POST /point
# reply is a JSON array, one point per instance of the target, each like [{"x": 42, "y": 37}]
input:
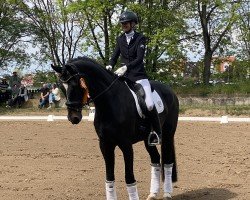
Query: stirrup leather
[{"x": 153, "y": 133}]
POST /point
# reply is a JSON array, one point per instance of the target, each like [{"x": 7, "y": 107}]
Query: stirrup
[{"x": 158, "y": 142}]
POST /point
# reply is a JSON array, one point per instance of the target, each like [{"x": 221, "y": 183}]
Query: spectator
[
  {"x": 5, "y": 92},
  {"x": 54, "y": 96},
  {"x": 14, "y": 95},
  {"x": 22, "y": 95},
  {"x": 4, "y": 83},
  {"x": 44, "y": 96},
  {"x": 15, "y": 80}
]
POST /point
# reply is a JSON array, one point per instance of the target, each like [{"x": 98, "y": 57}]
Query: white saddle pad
[{"x": 157, "y": 101}]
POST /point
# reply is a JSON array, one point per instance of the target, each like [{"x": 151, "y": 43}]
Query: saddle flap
[
  {"x": 158, "y": 102},
  {"x": 139, "y": 97}
]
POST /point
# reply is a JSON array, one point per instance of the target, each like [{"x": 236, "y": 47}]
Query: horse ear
[
  {"x": 71, "y": 69},
  {"x": 56, "y": 68}
]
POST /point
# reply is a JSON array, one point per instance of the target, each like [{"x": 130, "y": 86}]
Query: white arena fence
[{"x": 90, "y": 117}]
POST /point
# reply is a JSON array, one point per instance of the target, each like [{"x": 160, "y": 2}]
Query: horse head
[{"x": 75, "y": 89}]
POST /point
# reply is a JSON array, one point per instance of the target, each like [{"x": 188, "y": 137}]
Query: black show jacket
[{"x": 131, "y": 55}]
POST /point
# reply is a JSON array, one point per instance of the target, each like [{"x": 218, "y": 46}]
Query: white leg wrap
[
  {"x": 132, "y": 191},
  {"x": 110, "y": 190},
  {"x": 155, "y": 179},
  {"x": 167, "y": 186}
]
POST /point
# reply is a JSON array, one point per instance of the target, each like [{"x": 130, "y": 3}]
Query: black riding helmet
[{"x": 128, "y": 16}]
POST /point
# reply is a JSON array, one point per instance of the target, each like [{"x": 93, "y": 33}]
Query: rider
[{"x": 131, "y": 46}]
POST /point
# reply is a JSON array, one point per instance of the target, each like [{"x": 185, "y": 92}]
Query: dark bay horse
[{"x": 118, "y": 123}]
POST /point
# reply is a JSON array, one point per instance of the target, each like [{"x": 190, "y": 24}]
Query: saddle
[{"x": 139, "y": 96}]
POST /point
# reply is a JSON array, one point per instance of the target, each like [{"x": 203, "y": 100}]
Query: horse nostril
[{"x": 75, "y": 120}]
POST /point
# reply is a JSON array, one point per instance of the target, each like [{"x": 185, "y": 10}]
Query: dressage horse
[{"x": 118, "y": 123}]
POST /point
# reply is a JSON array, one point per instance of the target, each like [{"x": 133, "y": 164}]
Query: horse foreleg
[
  {"x": 128, "y": 154},
  {"x": 155, "y": 171},
  {"x": 108, "y": 150}
]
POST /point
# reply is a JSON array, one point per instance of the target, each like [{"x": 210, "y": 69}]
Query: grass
[
  {"x": 233, "y": 110},
  {"x": 28, "y": 111},
  {"x": 234, "y": 89},
  {"x": 35, "y": 111}
]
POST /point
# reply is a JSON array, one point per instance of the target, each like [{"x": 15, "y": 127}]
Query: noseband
[{"x": 73, "y": 105}]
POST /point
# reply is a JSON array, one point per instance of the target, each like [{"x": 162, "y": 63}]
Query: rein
[
  {"x": 97, "y": 96},
  {"x": 65, "y": 81}
]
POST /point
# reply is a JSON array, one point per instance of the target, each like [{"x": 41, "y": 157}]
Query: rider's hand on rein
[
  {"x": 121, "y": 71},
  {"x": 109, "y": 67}
]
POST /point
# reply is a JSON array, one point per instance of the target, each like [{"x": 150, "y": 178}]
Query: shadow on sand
[{"x": 206, "y": 194}]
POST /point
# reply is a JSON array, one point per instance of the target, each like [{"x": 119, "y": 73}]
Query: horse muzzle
[
  {"x": 74, "y": 117},
  {"x": 74, "y": 112}
]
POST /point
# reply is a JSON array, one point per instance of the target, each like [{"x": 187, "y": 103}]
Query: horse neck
[{"x": 101, "y": 85}]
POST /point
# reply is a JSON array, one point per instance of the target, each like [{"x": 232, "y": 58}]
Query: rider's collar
[{"x": 130, "y": 34}]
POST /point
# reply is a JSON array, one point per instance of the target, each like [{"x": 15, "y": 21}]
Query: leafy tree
[
  {"x": 241, "y": 71},
  {"x": 215, "y": 19},
  {"x": 241, "y": 31},
  {"x": 100, "y": 17},
  {"x": 103, "y": 27},
  {"x": 44, "y": 77},
  {"x": 55, "y": 29},
  {"x": 162, "y": 23},
  {"x": 13, "y": 30}
]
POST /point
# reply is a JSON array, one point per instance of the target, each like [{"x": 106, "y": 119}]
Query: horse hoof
[
  {"x": 167, "y": 196},
  {"x": 151, "y": 197}
]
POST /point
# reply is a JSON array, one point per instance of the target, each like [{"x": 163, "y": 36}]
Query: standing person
[
  {"x": 131, "y": 47},
  {"x": 15, "y": 80},
  {"x": 44, "y": 97},
  {"x": 54, "y": 96}
]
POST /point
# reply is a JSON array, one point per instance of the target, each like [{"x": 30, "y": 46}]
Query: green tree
[
  {"x": 242, "y": 31},
  {"x": 212, "y": 22},
  {"x": 162, "y": 23},
  {"x": 100, "y": 17},
  {"x": 55, "y": 30},
  {"x": 13, "y": 31},
  {"x": 44, "y": 77}
]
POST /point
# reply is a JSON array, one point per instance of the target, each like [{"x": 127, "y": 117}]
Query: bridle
[
  {"x": 73, "y": 105},
  {"x": 104, "y": 91},
  {"x": 77, "y": 106}
]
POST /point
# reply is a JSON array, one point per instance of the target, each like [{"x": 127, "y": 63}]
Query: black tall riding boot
[{"x": 155, "y": 135}]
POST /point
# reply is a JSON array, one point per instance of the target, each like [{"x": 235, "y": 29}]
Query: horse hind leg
[
  {"x": 155, "y": 170},
  {"x": 169, "y": 168}
]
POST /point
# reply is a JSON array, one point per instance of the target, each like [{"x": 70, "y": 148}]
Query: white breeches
[{"x": 147, "y": 88}]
